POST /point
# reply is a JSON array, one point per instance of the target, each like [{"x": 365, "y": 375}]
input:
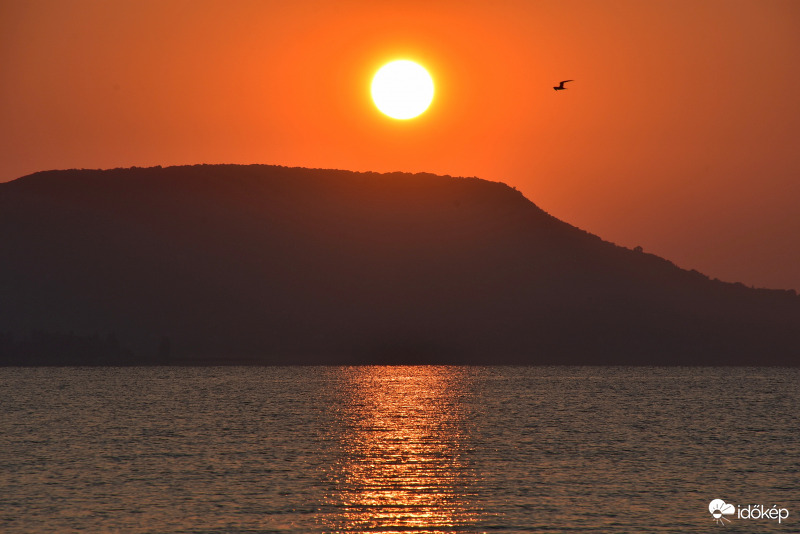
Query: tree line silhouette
[{"x": 41, "y": 348}]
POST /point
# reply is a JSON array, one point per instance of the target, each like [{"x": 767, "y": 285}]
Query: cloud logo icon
[{"x": 719, "y": 509}]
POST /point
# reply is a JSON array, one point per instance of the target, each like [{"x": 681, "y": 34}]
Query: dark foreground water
[{"x": 397, "y": 449}]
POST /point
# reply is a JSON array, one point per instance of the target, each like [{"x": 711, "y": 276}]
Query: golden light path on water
[{"x": 404, "y": 464}]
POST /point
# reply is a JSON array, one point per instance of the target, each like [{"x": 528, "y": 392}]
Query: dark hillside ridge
[{"x": 273, "y": 265}]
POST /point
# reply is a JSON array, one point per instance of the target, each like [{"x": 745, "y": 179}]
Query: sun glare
[{"x": 402, "y": 89}]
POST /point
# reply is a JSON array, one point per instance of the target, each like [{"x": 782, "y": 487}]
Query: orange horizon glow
[{"x": 679, "y": 132}]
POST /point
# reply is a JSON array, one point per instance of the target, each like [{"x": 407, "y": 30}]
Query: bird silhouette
[{"x": 560, "y": 86}]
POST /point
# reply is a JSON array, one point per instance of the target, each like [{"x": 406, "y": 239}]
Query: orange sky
[{"x": 681, "y": 132}]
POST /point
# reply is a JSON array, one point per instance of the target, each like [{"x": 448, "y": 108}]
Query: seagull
[{"x": 560, "y": 86}]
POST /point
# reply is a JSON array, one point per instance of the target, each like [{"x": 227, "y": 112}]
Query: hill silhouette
[{"x": 274, "y": 265}]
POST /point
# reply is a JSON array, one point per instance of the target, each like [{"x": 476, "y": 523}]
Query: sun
[{"x": 402, "y": 89}]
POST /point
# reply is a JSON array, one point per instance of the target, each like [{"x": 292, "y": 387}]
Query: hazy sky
[{"x": 680, "y": 133}]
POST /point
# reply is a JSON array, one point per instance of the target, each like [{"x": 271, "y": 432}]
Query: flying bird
[{"x": 560, "y": 86}]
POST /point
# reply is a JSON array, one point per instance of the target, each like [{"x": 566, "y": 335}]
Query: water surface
[{"x": 396, "y": 449}]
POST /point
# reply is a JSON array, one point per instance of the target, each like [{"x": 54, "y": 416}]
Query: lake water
[{"x": 397, "y": 449}]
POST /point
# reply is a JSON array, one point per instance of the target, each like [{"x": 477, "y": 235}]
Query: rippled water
[{"x": 396, "y": 449}]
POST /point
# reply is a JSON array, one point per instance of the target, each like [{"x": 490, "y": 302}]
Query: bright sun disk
[{"x": 402, "y": 89}]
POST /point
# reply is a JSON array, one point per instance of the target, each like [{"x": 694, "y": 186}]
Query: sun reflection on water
[{"x": 404, "y": 464}]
